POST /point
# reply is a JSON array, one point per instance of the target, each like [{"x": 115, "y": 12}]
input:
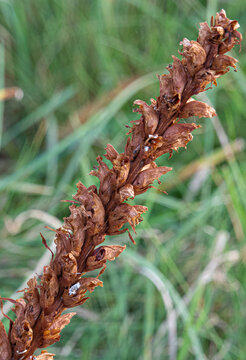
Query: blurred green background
[{"x": 180, "y": 293}]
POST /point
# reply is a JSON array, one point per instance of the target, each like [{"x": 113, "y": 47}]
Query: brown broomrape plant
[{"x": 96, "y": 213}]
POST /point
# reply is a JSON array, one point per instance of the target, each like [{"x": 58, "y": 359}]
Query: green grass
[{"x": 71, "y": 56}]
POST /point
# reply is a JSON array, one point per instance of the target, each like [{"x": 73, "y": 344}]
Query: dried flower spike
[{"x": 96, "y": 213}]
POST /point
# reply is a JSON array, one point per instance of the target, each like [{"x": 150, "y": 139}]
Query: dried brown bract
[{"x": 104, "y": 211}]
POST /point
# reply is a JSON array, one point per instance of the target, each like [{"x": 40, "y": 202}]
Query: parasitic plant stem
[{"x": 97, "y": 212}]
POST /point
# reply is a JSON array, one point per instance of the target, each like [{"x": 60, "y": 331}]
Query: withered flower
[
  {"x": 75, "y": 294},
  {"x": 69, "y": 268},
  {"x": 31, "y": 295},
  {"x": 147, "y": 176},
  {"x": 194, "y": 56},
  {"x": 49, "y": 287},
  {"x": 151, "y": 118},
  {"x": 196, "y": 108},
  {"x": 51, "y": 333},
  {"x": 101, "y": 255},
  {"x": 122, "y": 214},
  {"x": 104, "y": 211}
]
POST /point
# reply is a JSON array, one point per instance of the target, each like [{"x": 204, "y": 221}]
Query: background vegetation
[{"x": 181, "y": 291}]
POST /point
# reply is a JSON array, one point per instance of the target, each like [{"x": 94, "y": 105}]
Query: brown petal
[
  {"x": 135, "y": 220},
  {"x": 138, "y": 135},
  {"x": 102, "y": 171},
  {"x": 68, "y": 265},
  {"x": 126, "y": 192},
  {"x": 90, "y": 283},
  {"x": 101, "y": 255},
  {"x": 111, "y": 153},
  {"x": 169, "y": 92},
  {"x": 179, "y": 75},
  {"x": 74, "y": 296},
  {"x": 176, "y": 130},
  {"x": 232, "y": 36},
  {"x": 21, "y": 335},
  {"x": 98, "y": 214},
  {"x": 107, "y": 180},
  {"x": 122, "y": 214},
  {"x": 221, "y": 18},
  {"x": 204, "y": 35},
  {"x": 166, "y": 85},
  {"x": 52, "y": 332},
  {"x": 72, "y": 301},
  {"x": 222, "y": 63},
  {"x": 83, "y": 195},
  {"x": 151, "y": 118},
  {"x": 5, "y": 348},
  {"x": 62, "y": 245},
  {"x": 146, "y": 177},
  {"x": 31, "y": 294},
  {"x": 76, "y": 222},
  {"x": 121, "y": 168},
  {"x": 176, "y": 136},
  {"x": 49, "y": 287},
  {"x": 19, "y": 309},
  {"x": 194, "y": 55},
  {"x": 20, "y": 332},
  {"x": 228, "y": 44},
  {"x": 204, "y": 77},
  {"x": 216, "y": 34},
  {"x": 196, "y": 108}
]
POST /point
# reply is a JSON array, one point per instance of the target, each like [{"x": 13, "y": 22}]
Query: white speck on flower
[
  {"x": 153, "y": 136},
  {"x": 21, "y": 352},
  {"x": 73, "y": 289},
  {"x": 146, "y": 148}
]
